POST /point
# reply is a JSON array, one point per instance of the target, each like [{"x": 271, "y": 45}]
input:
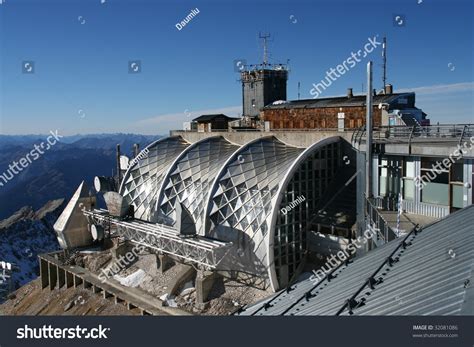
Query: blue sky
[{"x": 81, "y": 51}]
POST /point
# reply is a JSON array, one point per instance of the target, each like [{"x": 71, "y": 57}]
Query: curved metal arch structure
[
  {"x": 216, "y": 189},
  {"x": 242, "y": 199},
  {"x": 142, "y": 180},
  {"x": 273, "y": 278},
  {"x": 185, "y": 188}
]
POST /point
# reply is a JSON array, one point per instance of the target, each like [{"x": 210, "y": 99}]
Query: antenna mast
[
  {"x": 264, "y": 37},
  {"x": 384, "y": 55}
]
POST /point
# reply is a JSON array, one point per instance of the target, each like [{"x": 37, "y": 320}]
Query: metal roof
[
  {"x": 430, "y": 272},
  {"x": 210, "y": 117},
  {"x": 338, "y": 101}
]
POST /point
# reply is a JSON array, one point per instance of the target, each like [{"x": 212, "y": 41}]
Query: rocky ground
[
  {"x": 225, "y": 297},
  {"x": 23, "y": 236},
  {"x": 31, "y": 300}
]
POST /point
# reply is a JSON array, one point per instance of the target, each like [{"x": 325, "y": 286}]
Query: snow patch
[
  {"x": 133, "y": 280},
  {"x": 168, "y": 300}
]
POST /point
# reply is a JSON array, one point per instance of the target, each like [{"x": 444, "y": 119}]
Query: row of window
[
  {"x": 441, "y": 184},
  {"x": 313, "y": 123}
]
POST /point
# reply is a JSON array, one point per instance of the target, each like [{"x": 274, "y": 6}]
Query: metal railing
[
  {"x": 446, "y": 132},
  {"x": 385, "y": 232},
  {"x": 270, "y": 130},
  {"x": 438, "y": 132},
  {"x": 386, "y": 203},
  {"x": 411, "y": 134}
]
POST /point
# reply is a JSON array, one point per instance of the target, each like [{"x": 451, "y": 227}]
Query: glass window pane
[
  {"x": 457, "y": 174},
  {"x": 408, "y": 189},
  {"x": 410, "y": 169},
  {"x": 435, "y": 193},
  {"x": 457, "y": 196},
  {"x": 383, "y": 186}
]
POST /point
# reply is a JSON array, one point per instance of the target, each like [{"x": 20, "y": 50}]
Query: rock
[
  {"x": 69, "y": 305},
  {"x": 24, "y": 213}
]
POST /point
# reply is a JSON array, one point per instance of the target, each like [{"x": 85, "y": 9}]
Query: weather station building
[{"x": 261, "y": 198}]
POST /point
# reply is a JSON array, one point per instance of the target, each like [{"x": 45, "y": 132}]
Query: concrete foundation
[
  {"x": 165, "y": 262},
  {"x": 57, "y": 275},
  {"x": 149, "y": 263},
  {"x": 53, "y": 276},
  {"x": 185, "y": 274},
  {"x": 44, "y": 273},
  {"x": 204, "y": 283}
]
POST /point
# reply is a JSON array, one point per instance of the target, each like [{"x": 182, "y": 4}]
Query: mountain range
[{"x": 59, "y": 171}]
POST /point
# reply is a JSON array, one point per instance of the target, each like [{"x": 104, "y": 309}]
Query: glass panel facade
[
  {"x": 298, "y": 206},
  {"x": 408, "y": 189},
  {"x": 408, "y": 179},
  {"x": 457, "y": 191},
  {"x": 435, "y": 193},
  {"x": 390, "y": 171}
]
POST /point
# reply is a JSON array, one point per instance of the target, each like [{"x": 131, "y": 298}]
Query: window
[
  {"x": 436, "y": 189},
  {"x": 389, "y": 176},
  {"x": 409, "y": 175}
]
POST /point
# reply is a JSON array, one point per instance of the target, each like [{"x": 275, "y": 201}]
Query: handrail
[
  {"x": 440, "y": 131},
  {"x": 379, "y": 221}
]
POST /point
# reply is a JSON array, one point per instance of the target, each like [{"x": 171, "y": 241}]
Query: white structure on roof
[{"x": 220, "y": 190}]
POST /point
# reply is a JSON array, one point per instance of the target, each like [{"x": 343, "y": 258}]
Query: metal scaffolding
[{"x": 162, "y": 238}]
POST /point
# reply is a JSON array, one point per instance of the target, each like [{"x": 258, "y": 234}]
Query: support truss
[{"x": 203, "y": 251}]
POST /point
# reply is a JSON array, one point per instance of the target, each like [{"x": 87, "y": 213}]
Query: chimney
[
  {"x": 349, "y": 93},
  {"x": 388, "y": 89},
  {"x": 374, "y": 92}
]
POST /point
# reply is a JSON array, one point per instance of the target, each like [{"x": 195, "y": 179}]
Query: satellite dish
[
  {"x": 103, "y": 184},
  {"x": 97, "y": 232}
]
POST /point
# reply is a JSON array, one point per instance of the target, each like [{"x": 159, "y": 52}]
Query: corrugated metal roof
[
  {"x": 432, "y": 274},
  {"x": 338, "y": 101}
]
